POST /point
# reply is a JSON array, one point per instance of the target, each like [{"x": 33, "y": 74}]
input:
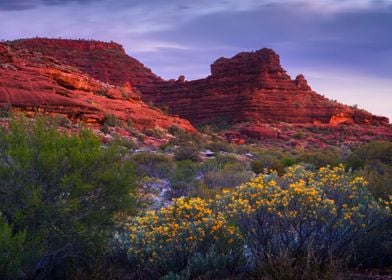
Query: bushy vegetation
[
  {"x": 300, "y": 225},
  {"x": 60, "y": 192},
  {"x": 69, "y": 208}
]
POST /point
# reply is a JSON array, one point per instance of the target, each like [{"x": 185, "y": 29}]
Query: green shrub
[
  {"x": 187, "y": 151},
  {"x": 6, "y": 111},
  {"x": 374, "y": 162},
  {"x": 184, "y": 177},
  {"x": 224, "y": 172},
  {"x": 156, "y": 133},
  {"x": 271, "y": 160},
  {"x": 111, "y": 120},
  {"x": 220, "y": 146},
  {"x": 153, "y": 164},
  {"x": 319, "y": 158},
  {"x": 11, "y": 250},
  {"x": 63, "y": 190},
  {"x": 176, "y": 131}
]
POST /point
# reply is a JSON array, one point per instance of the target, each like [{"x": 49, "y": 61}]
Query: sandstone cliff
[
  {"x": 249, "y": 87},
  {"x": 38, "y": 84}
]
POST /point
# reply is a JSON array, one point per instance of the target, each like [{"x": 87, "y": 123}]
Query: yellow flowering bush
[
  {"x": 302, "y": 217},
  {"x": 169, "y": 237},
  {"x": 298, "y": 221}
]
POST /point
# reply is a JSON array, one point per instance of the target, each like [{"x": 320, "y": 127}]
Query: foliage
[
  {"x": 111, "y": 120},
  {"x": 189, "y": 151},
  {"x": 168, "y": 239},
  {"x": 271, "y": 160},
  {"x": 153, "y": 164},
  {"x": 318, "y": 158},
  {"x": 184, "y": 176},
  {"x": 156, "y": 133},
  {"x": 220, "y": 146},
  {"x": 175, "y": 130},
  {"x": 224, "y": 172},
  {"x": 11, "y": 252},
  {"x": 295, "y": 226},
  {"x": 374, "y": 162},
  {"x": 6, "y": 111},
  {"x": 303, "y": 220},
  {"x": 63, "y": 190}
]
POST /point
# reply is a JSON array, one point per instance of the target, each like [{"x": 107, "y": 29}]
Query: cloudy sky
[{"x": 343, "y": 47}]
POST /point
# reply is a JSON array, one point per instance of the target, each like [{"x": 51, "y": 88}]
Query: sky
[{"x": 343, "y": 47}]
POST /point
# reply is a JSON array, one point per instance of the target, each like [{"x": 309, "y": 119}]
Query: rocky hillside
[{"x": 35, "y": 83}]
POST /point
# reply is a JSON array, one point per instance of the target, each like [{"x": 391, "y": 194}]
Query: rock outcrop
[
  {"x": 253, "y": 87},
  {"x": 103, "y": 61},
  {"x": 249, "y": 87},
  {"x": 250, "y": 91},
  {"x": 38, "y": 84}
]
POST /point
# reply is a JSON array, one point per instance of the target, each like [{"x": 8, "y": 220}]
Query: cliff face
[
  {"x": 37, "y": 84},
  {"x": 103, "y": 61},
  {"x": 249, "y": 87},
  {"x": 253, "y": 87}
]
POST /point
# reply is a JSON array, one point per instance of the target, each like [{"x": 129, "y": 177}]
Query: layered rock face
[
  {"x": 37, "y": 84},
  {"x": 253, "y": 87},
  {"x": 249, "y": 87},
  {"x": 103, "y": 61}
]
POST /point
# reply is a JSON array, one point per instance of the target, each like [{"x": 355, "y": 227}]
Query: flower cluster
[
  {"x": 326, "y": 209},
  {"x": 186, "y": 226},
  {"x": 325, "y": 193}
]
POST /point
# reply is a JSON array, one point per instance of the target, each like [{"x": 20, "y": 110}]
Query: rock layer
[
  {"x": 249, "y": 87},
  {"x": 103, "y": 61},
  {"x": 253, "y": 87},
  {"x": 37, "y": 84}
]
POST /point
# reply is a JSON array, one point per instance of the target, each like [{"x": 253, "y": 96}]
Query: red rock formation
[
  {"x": 106, "y": 62},
  {"x": 34, "y": 83},
  {"x": 251, "y": 88}
]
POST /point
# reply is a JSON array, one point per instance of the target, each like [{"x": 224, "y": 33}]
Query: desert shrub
[
  {"x": 156, "y": 133},
  {"x": 319, "y": 158},
  {"x": 299, "y": 225},
  {"x": 111, "y": 120},
  {"x": 211, "y": 265},
  {"x": 105, "y": 128},
  {"x": 11, "y": 250},
  {"x": 271, "y": 160},
  {"x": 176, "y": 131},
  {"x": 5, "y": 111},
  {"x": 102, "y": 92},
  {"x": 299, "y": 135},
  {"x": 170, "y": 239},
  {"x": 187, "y": 151},
  {"x": 184, "y": 176},
  {"x": 374, "y": 162},
  {"x": 153, "y": 164},
  {"x": 219, "y": 146},
  {"x": 371, "y": 152},
  {"x": 63, "y": 190},
  {"x": 123, "y": 143},
  {"x": 296, "y": 226},
  {"x": 224, "y": 172}
]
